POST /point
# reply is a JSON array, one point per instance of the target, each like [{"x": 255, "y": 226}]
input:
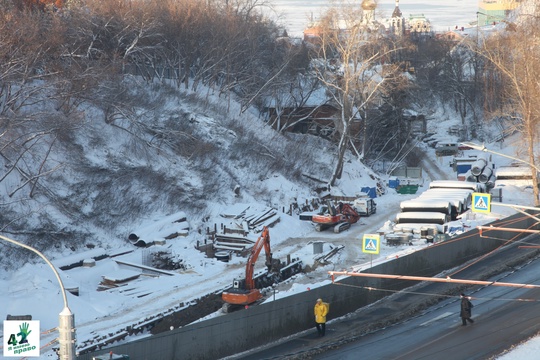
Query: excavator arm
[
  {"x": 263, "y": 241},
  {"x": 250, "y": 294},
  {"x": 349, "y": 212}
]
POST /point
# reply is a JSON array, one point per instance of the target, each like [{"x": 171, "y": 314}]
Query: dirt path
[{"x": 433, "y": 168}]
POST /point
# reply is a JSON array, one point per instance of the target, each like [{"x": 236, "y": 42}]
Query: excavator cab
[{"x": 238, "y": 296}]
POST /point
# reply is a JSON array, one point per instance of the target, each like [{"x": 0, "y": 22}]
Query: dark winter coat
[{"x": 466, "y": 307}]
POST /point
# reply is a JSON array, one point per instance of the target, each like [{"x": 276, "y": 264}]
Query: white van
[{"x": 446, "y": 148}]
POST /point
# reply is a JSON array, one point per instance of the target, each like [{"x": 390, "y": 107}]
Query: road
[
  {"x": 437, "y": 169},
  {"x": 395, "y": 329},
  {"x": 501, "y": 320}
]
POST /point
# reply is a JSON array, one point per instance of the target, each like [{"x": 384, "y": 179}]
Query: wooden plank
[
  {"x": 240, "y": 240},
  {"x": 262, "y": 215},
  {"x": 269, "y": 222},
  {"x": 225, "y": 247},
  {"x": 231, "y": 245},
  {"x": 143, "y": 267},
  {"x": 228, "y": 230}
]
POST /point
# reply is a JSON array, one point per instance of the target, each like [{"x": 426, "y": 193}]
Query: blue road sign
[
  {"x": 481, "y": 202},
  {"x": 371, "y": 243}
]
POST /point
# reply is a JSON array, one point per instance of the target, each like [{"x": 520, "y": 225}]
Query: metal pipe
[
  {"x": 507, "y": 229},
  {"x": 442, "y": 280}
]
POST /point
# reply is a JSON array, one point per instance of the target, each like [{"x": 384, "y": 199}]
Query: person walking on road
[
  {"x": 320, "y": 310},
  {"x": 466, "y": 307}
]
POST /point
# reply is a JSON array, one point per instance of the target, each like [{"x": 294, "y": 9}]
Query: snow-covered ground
[
  {"x": 33, "y": 289},
  {"x": 527, "y": 350}
]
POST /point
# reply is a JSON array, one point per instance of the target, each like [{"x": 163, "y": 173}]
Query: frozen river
[{"x": 294, "y": 15}]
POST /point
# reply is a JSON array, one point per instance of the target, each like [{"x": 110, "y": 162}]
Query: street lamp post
[
  {"x": 66, "y": 323},
  {"x": 483, "y": 148}
]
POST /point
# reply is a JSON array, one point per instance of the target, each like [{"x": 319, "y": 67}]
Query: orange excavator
[
  {"x": 340, "y": 217},
  {"x": 245, "y": 292}
]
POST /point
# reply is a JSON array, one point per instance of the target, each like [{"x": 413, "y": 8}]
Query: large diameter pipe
[
  {"x": 478, "y": 166},
  {"x": 485, "y": 175}
]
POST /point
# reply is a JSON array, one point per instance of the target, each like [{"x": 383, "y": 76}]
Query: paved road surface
[
  {"x": 500, "y": 322},
  {"x": 424, "y": 322}
]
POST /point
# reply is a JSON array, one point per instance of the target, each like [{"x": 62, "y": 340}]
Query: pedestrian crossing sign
[
  {"x": 481, "y": 203},
  {"x": 371, "y": 243}
]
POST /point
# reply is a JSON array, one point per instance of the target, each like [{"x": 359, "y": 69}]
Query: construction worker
[{"x": 320, "y": 310}]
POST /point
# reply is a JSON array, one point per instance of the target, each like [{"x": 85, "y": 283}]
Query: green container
[{"x": 407, "y": 189}]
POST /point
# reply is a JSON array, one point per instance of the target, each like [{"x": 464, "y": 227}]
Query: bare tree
[
  {"x": 514, "y": 54},
  {"x": 34, "y": 87},
  {"x": 351, "y": 66}
]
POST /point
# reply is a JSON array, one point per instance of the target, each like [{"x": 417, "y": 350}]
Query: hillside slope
[{"x": 102, "y": 176}]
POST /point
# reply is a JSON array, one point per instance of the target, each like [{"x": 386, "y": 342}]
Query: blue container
[
  {"x": 463, "y": 168},
  {"x": 393, "y": 184},
  {"x": 371, "y": 191}
]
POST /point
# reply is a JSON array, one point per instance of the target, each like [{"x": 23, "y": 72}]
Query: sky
[{"x": 443, "y": 14}]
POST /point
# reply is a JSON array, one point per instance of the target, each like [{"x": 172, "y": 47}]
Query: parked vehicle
[
  {"x": 340, "y": 217},
  {"x": 446, "y": 149},
  {"x": 365, "y": 206}
]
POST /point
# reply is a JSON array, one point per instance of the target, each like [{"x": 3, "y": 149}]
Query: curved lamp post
[
  {"x": 66, "y": 324},
  {"x": 533, "y": 166},
  {"x": 483, "y": 148}
]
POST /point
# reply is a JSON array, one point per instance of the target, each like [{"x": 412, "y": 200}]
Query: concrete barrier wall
[{"x": 261, "y": 324}]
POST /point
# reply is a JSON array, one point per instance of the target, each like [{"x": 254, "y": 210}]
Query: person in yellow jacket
[{"x": 320, "y": 310}]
